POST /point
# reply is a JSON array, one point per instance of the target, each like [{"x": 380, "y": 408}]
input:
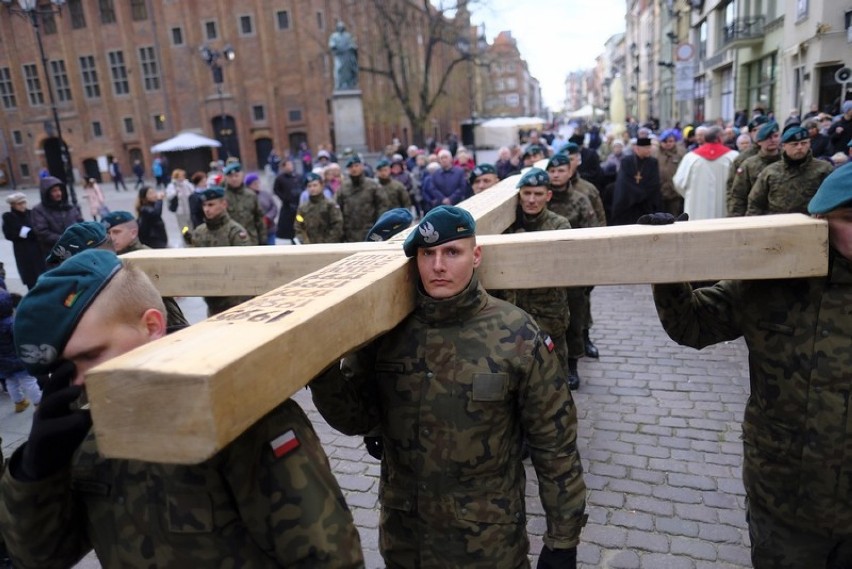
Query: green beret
[
  {"x": 49, "y": 313},
  {"x": 354, "y": 159},
  {"x": 834, "y": 192},
  {"x": 560, "y": 159},
  {"x": 571, "y": 148},
  {"x": 114, "y": 218},
  {"x": 212, "y": 193},
  {"x": 442, "y": 224},
  {"x": 311, "y": 177},
  {"x": 766, "y": 131},
  {"x": 757, "y": 121},
  {"x": 532, "y": 150},
  {"x": 76, "y": 239},
  {"x": 233, "y": 167},
  {"x": 481, "y": 170},
  {"x": 794, "y": 133},
  {"x": 383, "y": 163},
  {"x": 389, "y": 224},
  {"x": 534, "y": 177}
]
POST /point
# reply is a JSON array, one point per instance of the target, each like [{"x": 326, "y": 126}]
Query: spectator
[
  {"x": 149, "y": 212},
  {"x": 54, "y": 214},
  {"x": 18, "y": 228},
  {"x": 95, "y": 198}
]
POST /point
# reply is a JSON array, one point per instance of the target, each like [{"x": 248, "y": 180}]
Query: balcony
[{"x": 743, "y": 32}]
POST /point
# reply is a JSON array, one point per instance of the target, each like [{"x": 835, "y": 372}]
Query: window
[
  {"x": 128, "y": 125},
  {"x": 17, "y": 138},
  {"x": 90, "y": 77},
  {"x": 761, "y": 82},
  {"x": 34, "y": 91},
  {"x": 7, "y": 90},
  {"x": 48, "y": 23},
  {"x": 177, "y": 36},
  {"x": 97, "y": 131},
  {"x": 283, "y": 17},
  {"x": 159, "y": 122},
  {"x": 210, "y": 31},
  {"x": 699, "y": 92},
  {"x": 78, "y": 18},
  {"x": 294, "y": 115},
  {"x": 107, "y": 11},
  {"x": 702, "y": 40},
  {"x": 259, "y": 113},
  {"x": 138, "y": 10},
  {"x": 320, "y": 24},
  {"x": 727, "y": 98},
  {"x": 25, "y": 170},
  {"x": 60, "y": 81},
  {"x": 150, "y": 70},
  {"x": 511, "y": 83},
  {"x": 801, "y": 10},
  {"x": 499, "y": 84},
  {"x": 246, "y": 26},
  {"x": 513, "y": 100},
  {"x": 120, "y": 84}
]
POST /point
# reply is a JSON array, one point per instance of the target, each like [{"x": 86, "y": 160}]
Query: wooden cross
[
  {"x": 638, "y": 177},
  {"x": 184, "y": 397}
]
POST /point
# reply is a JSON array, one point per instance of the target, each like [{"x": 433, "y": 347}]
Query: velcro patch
[
  {"x": 549, "y": 344},
  {"x": 284, "y": 444}
]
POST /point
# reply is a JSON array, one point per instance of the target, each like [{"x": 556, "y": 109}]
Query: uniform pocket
[
  {"x": 190, "y": 513},
  {"x": 489, "y": 509},
  {"x": 777, "y": 328},
  {"x": 490, "y": 386}
]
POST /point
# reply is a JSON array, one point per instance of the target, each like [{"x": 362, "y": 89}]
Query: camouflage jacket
[
  {"x": 395, "y": 194},
  {"x": 668, "y": 161},
  {"x": 796, "y": 432},
  {"x": 174, "y": 315},
  {"x": 244, "y": 208},
  {"x": 573, "y": 206},
  {"x": 589, "y": 190},
  {"x": 319, "y": 221},
  {"x": 738, "y": 160},
  {"x": 221, "y": 232},
  {"x": 549, "y": 306},
  {"x": 744, "y": 179},
  {"x": 245, "y": 507},
  {"x": 787, "y": 188},
  {"x": 454, "y": 388},
  {"x": 361, "y": 205}
]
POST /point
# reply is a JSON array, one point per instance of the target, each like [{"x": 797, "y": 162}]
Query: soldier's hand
[
  {"x": 57, "y": 429},
  {"x": 661, "y": 219},
  {"x": 187, "y": 235},
  {"x": 375, "y": 447},
  {"x": 557, "y": 558}
]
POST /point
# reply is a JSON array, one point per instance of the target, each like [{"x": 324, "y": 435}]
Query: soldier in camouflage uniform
[
  {"x": 669, "y": 155},
  {"x": 319, "y": 219},
  {"x": 767, "y": 140},
  {"x": 395, "y": 193},
  {"x": 454, "y": 387},
  {"x": 788, "y": 185},
  {"x": 218, "y": 230},
  {"x": 361, "y": 201},
  {"x": 796, "y": 431},
  {"x": 268, "y": 499},
  {"x": 243, "y": 206},
  {"x": 123, "y": 230},
  {"x": 753, "y": 129},
  {"x": 578, "y": 184}
]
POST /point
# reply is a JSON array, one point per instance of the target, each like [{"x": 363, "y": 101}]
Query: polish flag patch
[
  {"x": 549, "y": 344},
  {"x": 284, "y": 444}
]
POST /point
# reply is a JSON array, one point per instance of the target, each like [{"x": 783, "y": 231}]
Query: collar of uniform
[
  {"x": 319, "y": 198},
  {"x": 533, "y": 222},
  {"x": 217, "y": 222},
  {"x": 840, "y": 269},
  {"x": 790, "y": 163},
  {"x": 459, "y": 308}
]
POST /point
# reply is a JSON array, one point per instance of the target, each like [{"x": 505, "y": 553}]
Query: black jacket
[{"x": 28, "y": 256}]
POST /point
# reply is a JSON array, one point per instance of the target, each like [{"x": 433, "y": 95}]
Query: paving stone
[
  {"x": 628, "y": 519},
  {"x": 692, "y": 481},
  {"x": 657, "y": 561},
  {"x": 647, "y": 541},
  {"x": 676, "y": 526},
  {"x": 606, "y": 536},
  {"x": 719, "y": 533},
  {"x": 693, "y": 548}
]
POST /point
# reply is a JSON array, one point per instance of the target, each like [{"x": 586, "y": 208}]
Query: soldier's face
[
  {"x": 383, "y": 173},
  {"x": 798, "y": 149},
  {"x": 484, "y": 182},
  {"x": 840, "y": 231},
  {"x": 214, "y": 208},
  {"x": 356, "y": 169},
  {"x": 559, "y": 175},
  {"x": 534, "y": 199},
  {"x": 446, "y": 269},
  {"x": 771, "y": 144},
  {"x": 235, "y": 178},
  {"x": 123, "y": 235},
  {"x": 315, "y": 188}
]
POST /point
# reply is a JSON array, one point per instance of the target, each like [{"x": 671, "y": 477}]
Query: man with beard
[
  {"x": 54, "y": 214},
  {"x": 768, "y": 140},
  {"x": 637, "y": 186}
]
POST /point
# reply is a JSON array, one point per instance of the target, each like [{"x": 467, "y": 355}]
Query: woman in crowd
[{"x": 149, "y": 213}]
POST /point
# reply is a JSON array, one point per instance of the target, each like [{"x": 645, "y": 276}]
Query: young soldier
[
  {"x": 259, "y": 502},
  {"x": 319, "y": 220},
  {"x": 243, "y": 206},
  {"x": 767, "y": 141},
  {"x": 395, "y": 193},
  {"x": 482, "y": 177},
  {"x": 361, "y": 201}
]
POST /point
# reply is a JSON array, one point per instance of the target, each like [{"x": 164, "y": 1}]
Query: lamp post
[
  {"x": 463, "y": 44},
  {"x": 31, "y": 11},
  {"x": 211, "y": 57}
]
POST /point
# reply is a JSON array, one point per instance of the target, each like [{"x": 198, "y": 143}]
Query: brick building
[{"x": 511, "y": 90}]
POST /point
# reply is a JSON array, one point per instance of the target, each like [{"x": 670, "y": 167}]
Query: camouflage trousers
[
  {"x": 776, "y": 545},
  {"x": 580, "y": 314}
]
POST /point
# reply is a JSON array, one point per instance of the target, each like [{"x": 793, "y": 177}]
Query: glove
[
  {"x": 187, "y": 235},
  {"x": 661, "y": 219},
  {"x": 375, "y": 446},
  {"x": 57, "y": 429},
  {"x": 557, "y": 558}
]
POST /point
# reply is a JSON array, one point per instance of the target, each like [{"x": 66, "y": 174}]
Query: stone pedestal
[{"x": 348, "y": 113}]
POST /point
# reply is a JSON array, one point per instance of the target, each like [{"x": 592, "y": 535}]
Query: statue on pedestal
[{"x": 345, "y": 52}]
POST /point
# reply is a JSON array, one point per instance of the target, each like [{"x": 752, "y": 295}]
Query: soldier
[
  {"x": 788, "y": 185},
  {"x": 583, "y": 186},
  {"x": 218, "y": 230},
  {"x": 482, "y": 177},
  {"x": 549, "y": 306},
  {"x": 753, "y": 129},
  {"x": 319, "y": 219},
  {"x": 243, "y": 206},
  {"x": 361, "y": 201},
  {"x": 669, "y": 155},
  {"x": 268, "y": 499},
  {"x": 123, "y": 231},
  {"x": 796, "y": 436},
  {"x": 454, "y": 387},
  {"x": 76, "y": 239},
  {"x": 532, "y": 154},
  {"x": 767, "y": 140},
  {"x": 395, "y": 193}
]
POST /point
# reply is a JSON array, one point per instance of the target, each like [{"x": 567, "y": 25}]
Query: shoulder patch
[
  {"x": 243, "y": 234},
  {"x": 299, "y": 218},
  {"x": 739, "y": 170},
  {"x": 284, "y": 444},
  {"x": 548, "y": 343}
]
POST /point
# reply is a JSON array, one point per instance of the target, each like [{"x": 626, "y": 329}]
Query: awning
[{"x": 185, "y": 141}]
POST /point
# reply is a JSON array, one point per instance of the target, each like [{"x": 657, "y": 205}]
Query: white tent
[
  {"x": 494, "y": 133},
  {"x": 185, "y": 141},
  {"x": 586, "y": 112}
]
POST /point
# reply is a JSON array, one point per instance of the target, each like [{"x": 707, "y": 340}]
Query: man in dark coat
[
  {"x": 590, "y": 166},
  {"x": 637, "y": 187},
  {"x": 54, "y": 214},
  {"x": 840, "y": 131},
  {"x": 18, "y": 228},
  {"x": 288, "y": 189}
]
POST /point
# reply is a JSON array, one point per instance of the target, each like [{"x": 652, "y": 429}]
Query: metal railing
[{"x": 743, "y": 29}]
